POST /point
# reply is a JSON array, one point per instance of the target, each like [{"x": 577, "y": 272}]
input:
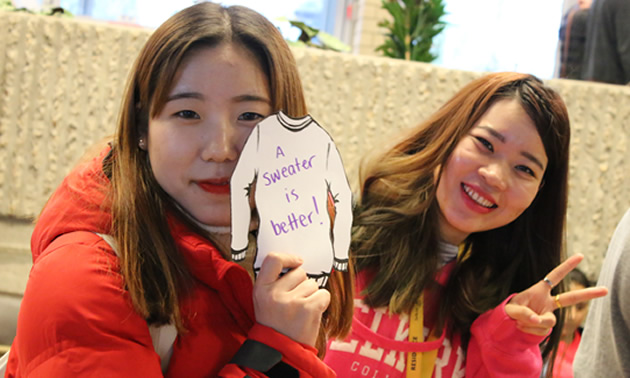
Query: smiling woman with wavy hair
[{"x": 465, "y": 210}]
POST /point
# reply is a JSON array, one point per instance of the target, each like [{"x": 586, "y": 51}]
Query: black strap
[
  {"x": 261, "y": 357},
  {"x": 281, "y": 370}
]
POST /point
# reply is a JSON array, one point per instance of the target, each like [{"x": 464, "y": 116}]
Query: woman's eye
[
  {"x": 485, "y": 143},
  {"x": 250, "y": 116},
  {"x": 187, "y": 114},
  {"x": 526, "y": 169}
]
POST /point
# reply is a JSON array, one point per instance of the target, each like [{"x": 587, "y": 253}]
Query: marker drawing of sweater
[{"x": 302, "y": 195}]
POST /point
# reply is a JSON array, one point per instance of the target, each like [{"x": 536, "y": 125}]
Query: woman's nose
[
  {"x": 219, "y": 142},
  {"x": 496, "y": 175}
]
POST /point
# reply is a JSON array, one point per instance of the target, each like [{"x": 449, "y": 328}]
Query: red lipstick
[
  {"x": 215, "y": 186},
  {"x": 473, "y": 204}
]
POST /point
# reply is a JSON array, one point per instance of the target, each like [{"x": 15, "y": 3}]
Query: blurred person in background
[
  {"x": 573, "y": 39},
  {"x": 607, "y": 54},
  {"x": 605, "y": 346},
  {"x": 572, "y": 329}
]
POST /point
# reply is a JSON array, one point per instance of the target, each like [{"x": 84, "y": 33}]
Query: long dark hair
[
  {"x": 155, "y": 273},
  {"x": 396, "y": 231}
]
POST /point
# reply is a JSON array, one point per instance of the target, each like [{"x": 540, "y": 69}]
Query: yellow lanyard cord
[
  {"x": 416, "y": 325},
  {"x": 419, "y": 364}
]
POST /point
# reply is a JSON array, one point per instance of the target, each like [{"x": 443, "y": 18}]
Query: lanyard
[{"x": 419, "y": 364}]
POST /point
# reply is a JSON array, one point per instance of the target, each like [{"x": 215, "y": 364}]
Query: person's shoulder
[
  {"x": 624, "y": 224},
  {"x": 76, "y": 288},
  {"x": 77, "y": 247},
  {"x": 75, "y": 311},
  {"x": 77, "y": 267}
]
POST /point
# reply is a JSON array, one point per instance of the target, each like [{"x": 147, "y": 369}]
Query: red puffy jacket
[{"x": 77, "y": 320}]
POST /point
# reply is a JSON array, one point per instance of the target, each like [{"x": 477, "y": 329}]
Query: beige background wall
[{"x": 60, "y": 83}]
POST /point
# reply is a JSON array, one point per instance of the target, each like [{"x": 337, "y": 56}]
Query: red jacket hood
[{"x": 80, "y": 203}]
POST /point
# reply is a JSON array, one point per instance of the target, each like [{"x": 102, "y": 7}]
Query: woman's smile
[{"x": 479, "y": 201}]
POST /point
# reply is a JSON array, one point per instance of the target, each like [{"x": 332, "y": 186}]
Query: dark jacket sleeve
[{"x": 622, "y": 35}]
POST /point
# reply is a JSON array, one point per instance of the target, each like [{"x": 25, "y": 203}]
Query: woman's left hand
[{"x": 533, "y": 308}]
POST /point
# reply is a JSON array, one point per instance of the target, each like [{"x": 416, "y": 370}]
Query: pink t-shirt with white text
[{"x": 377, "y": 347}]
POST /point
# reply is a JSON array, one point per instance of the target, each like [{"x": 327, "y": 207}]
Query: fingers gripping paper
[{"x": 301, "y": 192}]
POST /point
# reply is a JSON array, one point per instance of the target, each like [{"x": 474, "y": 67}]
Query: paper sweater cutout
[{"x": 302, "y": 195}]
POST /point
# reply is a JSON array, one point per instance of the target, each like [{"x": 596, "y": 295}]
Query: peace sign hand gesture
[{"x": 533, "y": 308}]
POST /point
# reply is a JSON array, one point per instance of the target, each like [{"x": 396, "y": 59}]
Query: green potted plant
[
  {"x": 7, "y": 5},
  {"x": 313, "y": 37},
  {"x": 413, "y": 26}
]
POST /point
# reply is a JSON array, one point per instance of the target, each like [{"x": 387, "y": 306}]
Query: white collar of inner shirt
[{"x": 448, "y": 252}]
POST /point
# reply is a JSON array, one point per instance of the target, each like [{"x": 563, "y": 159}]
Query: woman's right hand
[
  {"x": 533, "y": 308},
  {"x": 292, "y": 304}
]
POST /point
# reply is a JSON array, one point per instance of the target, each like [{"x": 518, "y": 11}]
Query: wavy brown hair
[
  {"x": 396, "y": 231},
  {"x": 155, "y": 274}
]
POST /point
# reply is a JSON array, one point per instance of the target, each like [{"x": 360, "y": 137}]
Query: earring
[{"x": 142, "y": 143}]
